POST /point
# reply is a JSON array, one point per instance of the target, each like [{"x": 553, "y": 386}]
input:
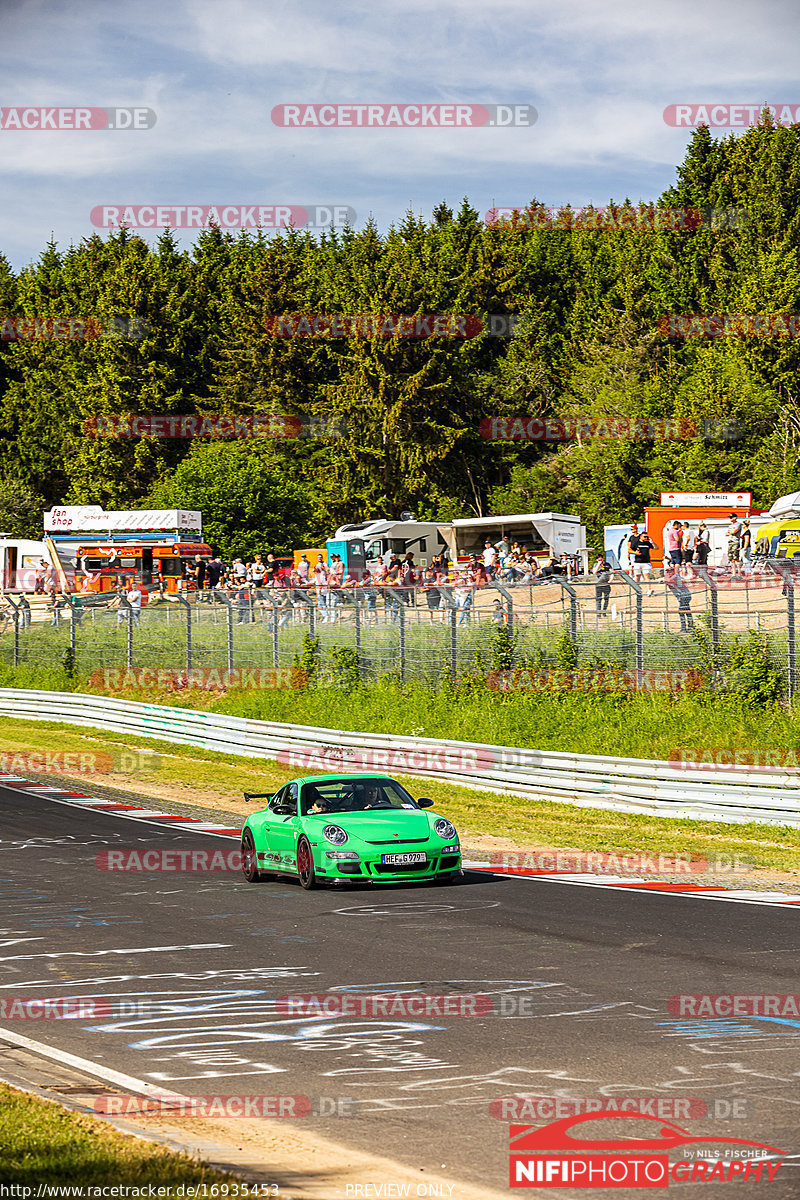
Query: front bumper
[{"x": 440, "y": 863}]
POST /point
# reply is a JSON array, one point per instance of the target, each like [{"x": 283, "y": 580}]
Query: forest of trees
[{"x": 410, "y": 409}]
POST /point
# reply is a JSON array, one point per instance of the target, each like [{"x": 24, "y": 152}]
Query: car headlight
[
  {"x": 444, "y": 829},
  {"x": 335, "y": 834},
  {"x": 342, "y": 855}
]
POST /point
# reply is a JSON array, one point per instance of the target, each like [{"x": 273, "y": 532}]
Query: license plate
[{"x": 399, "y": 860}]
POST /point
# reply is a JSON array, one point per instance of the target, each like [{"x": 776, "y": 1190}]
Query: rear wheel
[
  {"x": 250, "y": 858},
  {"x": 305, "y": 865}
]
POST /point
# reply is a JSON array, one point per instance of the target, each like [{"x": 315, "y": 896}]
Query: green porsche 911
[{"x": 340, "y": 828}]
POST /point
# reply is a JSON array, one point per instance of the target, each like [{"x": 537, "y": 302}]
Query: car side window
[
  {"x": 278, "y": 798},
  {"x": 290, "y": 797}
]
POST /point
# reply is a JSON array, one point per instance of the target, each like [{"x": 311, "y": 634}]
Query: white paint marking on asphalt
[
  {"x": 129, "y": 950},
  {"x": 129, "y": 1082}
]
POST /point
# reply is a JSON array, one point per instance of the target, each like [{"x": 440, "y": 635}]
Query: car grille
[
  {"x": 394, "y": 868},
  {"x": 397, "y": 841}
]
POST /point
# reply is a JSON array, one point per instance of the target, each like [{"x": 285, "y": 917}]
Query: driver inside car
[{"x": 372, "y": 796}]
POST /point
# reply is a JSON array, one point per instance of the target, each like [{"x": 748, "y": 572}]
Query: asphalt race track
[{"x": 579, "y": 980}]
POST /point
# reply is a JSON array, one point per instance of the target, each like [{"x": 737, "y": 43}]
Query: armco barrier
[{"x": 635, "y": 785}]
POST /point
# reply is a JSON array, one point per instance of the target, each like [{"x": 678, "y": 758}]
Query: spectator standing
[
  {"x": 134, "y": 598},
  {"x": 259, "y": 573},
  {"x": 239, "y": 572},
  {"x": 213, "y": 573},
  {"x": 498, "y": 616},
  {"x": 673, "y": 543},
  {"x": 201, "y": 571},
  {"x": 501, "y": 547},
  {"x": 433, "y": 597},
  {"x": 688, "y": 545},
  {"x": 746, "y": 543},
  {"x": 26, "y": 610},
  {"x": 490, "y": 559},
  {"x": 303, "y": 568},
  {"x": 632, "y": 545},
  {"x": 733, "y": 535},
  {"x": 701, "y": 545},
  {"x": 602, "y": 587},
  {"x": 408, "y": 575},
  {"x": 244, "y": 604},
  {"x": 40, "y": 574},
  {"x": 682, "y": 594},
  {"x": 321, "y": 586},
  {"x": 462, "y": 595},
  {"x": 642, "y": 566}
]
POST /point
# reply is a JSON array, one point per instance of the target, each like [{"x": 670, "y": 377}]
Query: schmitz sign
[
  {"x": 722, "y": 499},
  {"x": 90, "y": 518}
]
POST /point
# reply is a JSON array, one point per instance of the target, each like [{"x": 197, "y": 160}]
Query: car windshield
[{"x": 353, "y": 795}]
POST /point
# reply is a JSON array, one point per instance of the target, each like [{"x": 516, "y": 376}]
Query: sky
[{"x": 212, "y": 73}]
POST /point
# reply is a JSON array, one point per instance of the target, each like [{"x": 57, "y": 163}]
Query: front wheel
[
  {"x": 250, "y": 858},
  {"x": 305, "y": 865}
]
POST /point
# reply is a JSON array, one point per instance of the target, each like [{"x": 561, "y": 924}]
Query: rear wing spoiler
[{"x": 248, "y": 796}]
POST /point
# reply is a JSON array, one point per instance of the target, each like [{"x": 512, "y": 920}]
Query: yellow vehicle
[{"x": 779, "y": 538}]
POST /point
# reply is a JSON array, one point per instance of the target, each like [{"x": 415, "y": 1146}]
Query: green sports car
[{"x": 341, "y": 828}]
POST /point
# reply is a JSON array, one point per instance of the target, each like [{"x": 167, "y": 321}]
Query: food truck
[
  {"x": 371, "y": 542},
  {"x": 547, "y": 534},
  {"x": 96, "y": 550}
]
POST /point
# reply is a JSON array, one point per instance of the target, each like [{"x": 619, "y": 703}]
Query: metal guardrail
[{"x": 634, "y": 785}]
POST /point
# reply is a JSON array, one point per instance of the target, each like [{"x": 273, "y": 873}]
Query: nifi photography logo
[{"x": 552, "y": 1157}]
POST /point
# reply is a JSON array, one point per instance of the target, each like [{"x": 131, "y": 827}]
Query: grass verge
[{"x": 42, "y": 1143}]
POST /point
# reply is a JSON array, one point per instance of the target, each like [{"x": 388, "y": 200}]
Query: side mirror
[
  {"x": 284, "y": 810},
  {"x": 424, "y": 802}
]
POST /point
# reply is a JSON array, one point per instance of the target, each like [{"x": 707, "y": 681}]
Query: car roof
[{"x": 341, "y": 775}]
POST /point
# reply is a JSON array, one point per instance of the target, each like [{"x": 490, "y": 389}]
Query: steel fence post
[
  {"x": 275, "y": 646},
  {"x": 637, "y": 591},
  {"x": 509, "y": 599},
  {"x": 188, "y": 608},
  {"x": 312, "y": 621},
  {"x": 573, "y": 608},
  {"x": 229, "y": 621},
  {"x": 15, "y": 611},
  {"x": 791, "y": 645},
  {"x": 453, "y": 645},
  {"x": 357, "y": 627},
  {"x": 401, "y": 610}
]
